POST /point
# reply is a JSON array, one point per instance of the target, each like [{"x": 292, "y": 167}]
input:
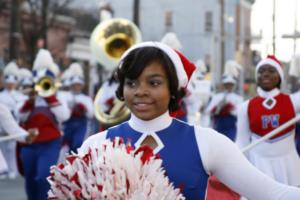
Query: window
[{"x": 208, "y": 21}]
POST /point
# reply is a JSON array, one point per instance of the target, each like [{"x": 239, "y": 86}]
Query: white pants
[{"x": 9, "y": 152}]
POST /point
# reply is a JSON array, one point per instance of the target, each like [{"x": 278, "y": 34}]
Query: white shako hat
[{"x": 11, "y": 73}]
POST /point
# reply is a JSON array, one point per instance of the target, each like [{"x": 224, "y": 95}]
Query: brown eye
[
  {"x": 130, "y": 83},
  {"x": 155, "y": 83}
]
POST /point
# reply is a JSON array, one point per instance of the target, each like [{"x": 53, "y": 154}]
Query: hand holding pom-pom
[{"x": 113, "y": 172}]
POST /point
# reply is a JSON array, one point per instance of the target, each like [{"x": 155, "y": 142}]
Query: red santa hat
[
  {"x": 184, "y": 68},
  {"x": 274, "y": 62}
]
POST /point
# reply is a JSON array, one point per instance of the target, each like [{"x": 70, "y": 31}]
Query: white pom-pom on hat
[
  {"x": 184, "y": 68},
  {"x": 11, "y": 73}
]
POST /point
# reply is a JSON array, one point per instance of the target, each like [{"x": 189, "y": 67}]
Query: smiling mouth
[{"x": 142, "y": 106}]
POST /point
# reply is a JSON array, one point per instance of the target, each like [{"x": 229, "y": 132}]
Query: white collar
[
  {"x": 153, "y": 125},
  {"x": 150, "y": 128},
  {"x": 267, "y": 94}
]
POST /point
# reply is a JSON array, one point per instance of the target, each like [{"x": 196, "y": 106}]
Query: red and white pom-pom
[{"x": 113, "y": 172}]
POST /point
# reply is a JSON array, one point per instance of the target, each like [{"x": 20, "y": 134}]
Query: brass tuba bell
[
  {"x": 46, "y": 87},
  {"x": 109, "y": 40}
]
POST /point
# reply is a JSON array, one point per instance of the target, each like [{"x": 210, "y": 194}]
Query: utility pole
[
  {"x": 274, "y": 30},
  {"x": 295, "y": 26},
  {"x": 44, "y": 27},
  {"x": 296, "y": 34},
  {"x": 222, "y": 34},
  {"x": 14, "y": 34},
  {"x": 136, "y": 12}
]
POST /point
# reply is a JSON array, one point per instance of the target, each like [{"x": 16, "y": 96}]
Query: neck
[
  {"x": 267, "y": 94},
  {"x": 154, "y": 125}
]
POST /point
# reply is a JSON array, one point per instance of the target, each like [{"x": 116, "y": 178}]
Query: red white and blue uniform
[
  {"x": 45, "y": 114},
  {"x": 75, "y": 128},
  {"x": 191, "y": 153},
  {"x": 276, "y": 157},
  {"x": 224, "y": 117}
]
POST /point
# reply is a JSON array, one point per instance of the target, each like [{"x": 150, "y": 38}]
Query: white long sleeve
[
  {"x": 223, "y": 159},
  {"x": 62, "y": 111},
  {"x": 9, "y": 124},
  {"x": 243, "y": 136}
]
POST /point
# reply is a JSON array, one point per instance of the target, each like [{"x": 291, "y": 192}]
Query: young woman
[
  {"x": 276, "y": 157},
  {"x": 151, "y": 75}
]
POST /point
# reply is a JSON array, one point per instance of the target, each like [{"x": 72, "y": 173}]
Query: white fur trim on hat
[
  {"x": 181, "y": 74},
  {"x": 271, "y": 62}
]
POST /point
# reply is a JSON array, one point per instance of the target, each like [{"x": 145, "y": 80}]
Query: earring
[{"x": 172, "y": 97}]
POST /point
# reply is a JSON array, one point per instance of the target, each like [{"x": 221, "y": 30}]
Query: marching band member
[
  {"x": 44, "y": 112},
  {"x": 11, "y": 127},
  {"x": 26, "y": 81},
  {"x": 151, "y": 75},
  {"x": 82, "y": 109},
  {"x": 223, "y": 105},
  {"x": 13, "y": 99},
  {"x": 199, "y": 94},
  {"x": 276, "y": 157}
]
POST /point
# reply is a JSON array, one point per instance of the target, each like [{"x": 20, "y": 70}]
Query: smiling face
[
  {"x": 148, "y": 96},
  {"x": 268, "y": 77}
]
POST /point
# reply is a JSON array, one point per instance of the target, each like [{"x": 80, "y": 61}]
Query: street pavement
[{"x": 12, "y": 189}]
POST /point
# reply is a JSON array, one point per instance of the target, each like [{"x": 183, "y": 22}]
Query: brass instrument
[
  {"x": 46, "y": 86},
  {"x": 109, "y": 40},
  {"x": 117, "y": 114}
]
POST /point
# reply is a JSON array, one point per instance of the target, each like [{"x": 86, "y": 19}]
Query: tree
[{"x": 36, "y": 18}]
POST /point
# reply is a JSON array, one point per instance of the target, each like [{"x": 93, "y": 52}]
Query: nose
[{"x": 141, "y": 90}]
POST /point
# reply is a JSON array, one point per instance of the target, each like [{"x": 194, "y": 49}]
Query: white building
[{"x": 197, "y": 24}]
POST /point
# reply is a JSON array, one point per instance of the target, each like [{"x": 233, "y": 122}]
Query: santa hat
[
  {"x": 184, "y": 68},
  {"x": 44, "y": 65},
  {"x": 76, "y": 74},
  {"x": 26, "y": 77},
  {"x": 11, "y": 73},
  {"x": 274, "y": 62},
  {"x": 171, "y": 40}
]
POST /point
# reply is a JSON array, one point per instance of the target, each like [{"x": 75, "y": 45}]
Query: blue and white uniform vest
[{"x": 179, "y": 147}]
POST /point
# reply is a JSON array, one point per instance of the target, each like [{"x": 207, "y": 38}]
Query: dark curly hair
[{"x": 135, "y": 62}]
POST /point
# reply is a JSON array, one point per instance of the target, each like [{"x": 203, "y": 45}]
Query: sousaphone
[{"x": 109, "y": 40}]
